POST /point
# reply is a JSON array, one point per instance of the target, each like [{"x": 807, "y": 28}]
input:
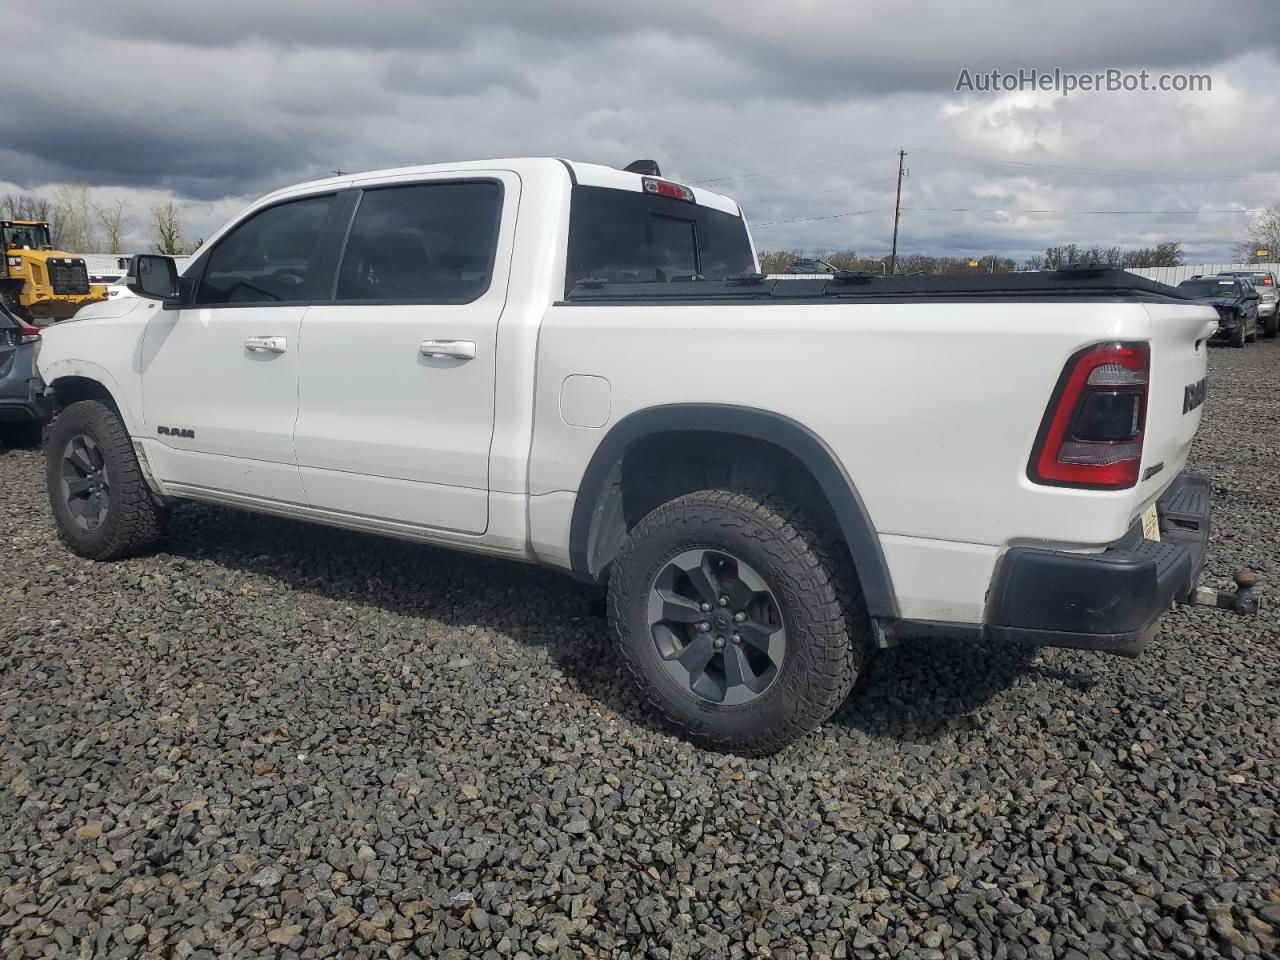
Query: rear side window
[
  {"x": 425, "y": 243},
  {"x": 267, "y": 258},
  {"x": 631, "y": 237}
]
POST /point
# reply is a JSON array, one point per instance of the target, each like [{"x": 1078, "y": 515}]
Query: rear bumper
[
  {"x": 24, "y": 401},
  {"x": 1109, "y": 601}
]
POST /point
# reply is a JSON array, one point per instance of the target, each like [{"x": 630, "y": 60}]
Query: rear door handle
[
  {"x": 456, "y": 349},
  {"x": 266, "y": 344}
]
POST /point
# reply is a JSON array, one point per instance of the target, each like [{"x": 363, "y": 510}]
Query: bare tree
[
  {"x": 1264, "y": 234},
  {"x": 72, "y": 224},
  {"x": 114, "y": 221},
  {"x": 166, "y": 223},
  {"x": 23, "y": 206}
]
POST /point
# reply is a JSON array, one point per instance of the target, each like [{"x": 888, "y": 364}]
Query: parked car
[
  {"x": 772, "y": 483},
  {"x": 1236, "y": 302},
  {"x": 119, "y": 288},
  {"x": 24, "y": 409},
  {"x": 1264, "y": 281},
  {"x": 811, "y": 266}
]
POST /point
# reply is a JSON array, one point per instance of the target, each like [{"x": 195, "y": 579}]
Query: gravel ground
[{"x": 277, "y": 740}]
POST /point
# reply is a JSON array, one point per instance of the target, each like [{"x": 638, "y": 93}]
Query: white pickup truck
[{"x": 580, "y": 366}]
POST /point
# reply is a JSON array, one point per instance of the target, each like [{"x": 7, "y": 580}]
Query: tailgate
[{"x": 1179, "y": 370}]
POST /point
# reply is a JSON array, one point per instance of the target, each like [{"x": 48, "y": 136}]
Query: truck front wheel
[
  {"x": 740, "y": 622},
  {"x": 101, "y": 503}
]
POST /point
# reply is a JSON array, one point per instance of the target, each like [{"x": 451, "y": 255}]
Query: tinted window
[
  {"x": 267, "y": 258},
  {"x": 632, "y": 237},
  {"x": 1209, "y": 288},
  {"x": 430, "y": 242}
]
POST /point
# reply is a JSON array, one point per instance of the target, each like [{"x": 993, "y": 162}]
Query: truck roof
[{"x": 586, "y": 174}]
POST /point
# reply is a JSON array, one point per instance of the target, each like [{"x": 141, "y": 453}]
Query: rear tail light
[
  {"x": 26, "y": 332},
  {"x": 1091, "y": 435}
]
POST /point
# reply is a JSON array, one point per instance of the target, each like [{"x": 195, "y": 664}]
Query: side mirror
[{"x": 153, "y": 275}]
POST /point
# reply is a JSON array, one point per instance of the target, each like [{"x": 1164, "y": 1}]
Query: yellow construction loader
[{"x": 37, "y": 281}]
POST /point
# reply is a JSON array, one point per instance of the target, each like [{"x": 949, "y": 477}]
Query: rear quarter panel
[{"x": 931, "y": 408}]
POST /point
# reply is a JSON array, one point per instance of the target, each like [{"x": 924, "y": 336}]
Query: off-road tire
[
  {"x": 1271, "y": 326},
  {"x": 809, "y": 574},
  {"x": 134, "y": 522}
]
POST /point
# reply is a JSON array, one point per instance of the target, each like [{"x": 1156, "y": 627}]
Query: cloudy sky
[{"x": 796, "y": 109}]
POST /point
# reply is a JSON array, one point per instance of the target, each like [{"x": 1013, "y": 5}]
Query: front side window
[
  {"x": 426, "y": 243},
  {"x": 624, "y": 236},
  {"x": 34, "y": 236},
  {"x": 267, "y": 258}
]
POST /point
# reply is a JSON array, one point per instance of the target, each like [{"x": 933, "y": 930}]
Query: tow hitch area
[{"x": 1241, "y": 600}]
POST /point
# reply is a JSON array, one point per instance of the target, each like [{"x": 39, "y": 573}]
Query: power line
[
  {"x": 1185, "y": 213},
  {"x": 830, "y": 216},
  {"x": 768, "y": 174},
  {"x": 855, "y": 213},
  {"x": 819, "y": 193},
  {"x": 1105, "y": 171}
]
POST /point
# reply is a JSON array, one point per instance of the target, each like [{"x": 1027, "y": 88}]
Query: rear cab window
[
  {"x": 422, "y": 243},
  {"x": 623, "y": 236}
]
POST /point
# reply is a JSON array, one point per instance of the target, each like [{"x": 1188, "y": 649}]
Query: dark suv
[
  {"x": 1236, "y": 301},
  {"x": 811, "y": 266},
  {"x": 23, "y": 407}
]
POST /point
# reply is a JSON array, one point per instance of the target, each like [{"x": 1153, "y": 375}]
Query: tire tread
[
  {"x": 135, "y": 522},
  {"x": 839, "y": 633}
]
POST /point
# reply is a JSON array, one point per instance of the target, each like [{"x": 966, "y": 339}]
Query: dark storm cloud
[{"x": 230, "y": 99}]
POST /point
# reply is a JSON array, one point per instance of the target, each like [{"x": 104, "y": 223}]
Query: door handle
[
  {"x": 266, "y": 344},
  {"x": 456, "y": 349}
]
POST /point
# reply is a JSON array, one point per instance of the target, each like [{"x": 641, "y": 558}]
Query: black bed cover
[{"x": 1061, "y": 285}]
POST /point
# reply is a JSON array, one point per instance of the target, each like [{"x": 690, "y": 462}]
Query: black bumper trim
[{"x": 1108, "y": 601}]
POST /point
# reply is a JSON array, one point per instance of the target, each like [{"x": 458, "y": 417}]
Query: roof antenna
[{"x": 648, "y": 168}]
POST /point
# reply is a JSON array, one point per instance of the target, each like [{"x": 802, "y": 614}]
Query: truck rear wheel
[
  {"x": 741, "y": 624},
  {"x": 101, "y": 503}
]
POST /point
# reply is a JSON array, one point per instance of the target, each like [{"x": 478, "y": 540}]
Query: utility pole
[{"x": 897, "y": 213}]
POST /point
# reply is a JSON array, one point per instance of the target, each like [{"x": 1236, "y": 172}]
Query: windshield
[
  {"x": 33, "y": 235},
  {"x": 1208, "y": 288},
  {"x": 630, "y": 237}
]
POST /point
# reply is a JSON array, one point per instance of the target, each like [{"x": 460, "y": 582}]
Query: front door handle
[
  {"x": 456, "y": 349},
  {"x": 266, "y": 344}
]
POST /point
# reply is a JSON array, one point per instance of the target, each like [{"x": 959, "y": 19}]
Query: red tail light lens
[
  {"x": 665, "y": 188},
  {"x": 1091, "y": 435},
  {"x": 26, "y": 332}
]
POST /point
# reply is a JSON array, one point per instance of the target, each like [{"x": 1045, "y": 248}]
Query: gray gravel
[{"x": 276, "y": 740}]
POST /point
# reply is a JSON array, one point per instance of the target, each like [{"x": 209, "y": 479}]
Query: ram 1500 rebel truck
[{"x": 579, "y": 366}]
